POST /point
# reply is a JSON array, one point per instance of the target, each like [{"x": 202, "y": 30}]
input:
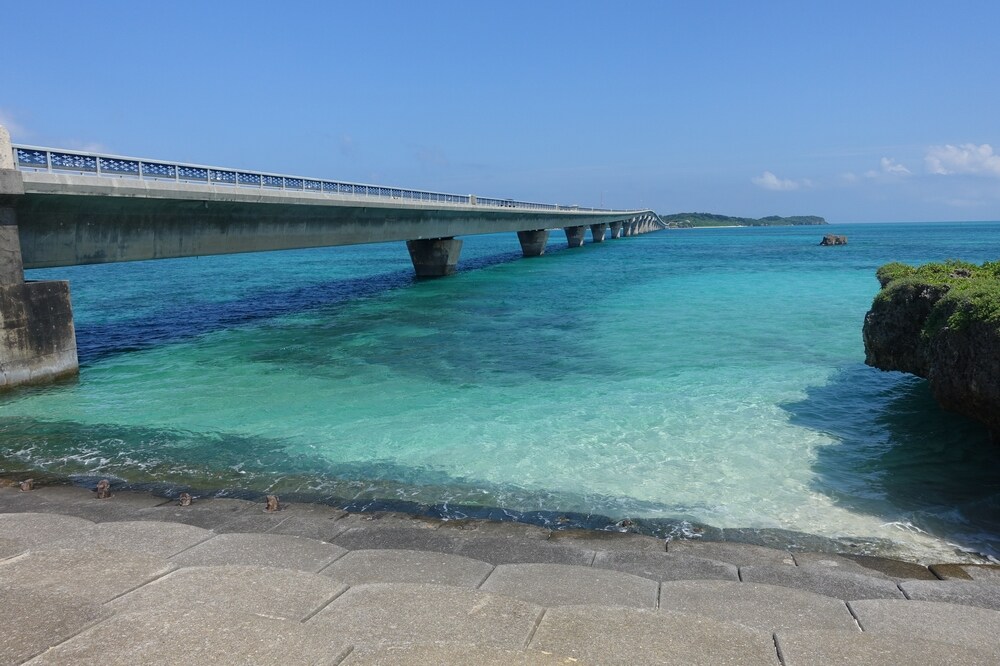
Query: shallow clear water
[{"x": 714, "y": 376}]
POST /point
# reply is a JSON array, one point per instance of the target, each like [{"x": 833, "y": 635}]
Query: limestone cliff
[{"x": 942, "y": 322}]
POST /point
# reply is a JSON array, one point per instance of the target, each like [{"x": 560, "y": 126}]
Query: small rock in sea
[
  {"x": 103, "y": 489},
  {"x": 272, "y": 504},
  {"x": 184, "y": 499},
  {"x": 625, "y": 522},
  {"x": 26, "y": 485},
  {"x": 833, "y": 239}
]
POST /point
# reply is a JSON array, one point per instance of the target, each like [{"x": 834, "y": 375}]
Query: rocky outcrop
[
  {"x": 833, "y": 239},
  {"x": 941, "y": 322}
]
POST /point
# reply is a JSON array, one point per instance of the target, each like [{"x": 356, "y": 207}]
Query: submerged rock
[{"x": 941, "y": 322}]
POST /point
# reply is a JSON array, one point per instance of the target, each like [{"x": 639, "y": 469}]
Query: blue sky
[{"x": 857, "y": 111}]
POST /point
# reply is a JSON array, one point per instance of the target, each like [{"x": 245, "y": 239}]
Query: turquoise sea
[{"x": 684, "y": 379}]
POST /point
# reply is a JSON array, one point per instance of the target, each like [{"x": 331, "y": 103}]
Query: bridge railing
[{"x": 52, "y": 160}]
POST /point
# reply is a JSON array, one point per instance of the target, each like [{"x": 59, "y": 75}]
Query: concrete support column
[
  {"x": 37, "y": 339},
  {"x": 434, "y": 257},
  {"x": 533, "y": 242},
  {"x": 616, "y": 229},
  {"x": 598, "y": 232},
  {"x": 575, "y": 236}
]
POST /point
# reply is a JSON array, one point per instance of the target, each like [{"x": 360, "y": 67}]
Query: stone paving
[{"x": 138, "y": 579}]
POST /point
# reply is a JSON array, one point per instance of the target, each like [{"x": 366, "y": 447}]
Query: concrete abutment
[{"x": 37, "y": 338}]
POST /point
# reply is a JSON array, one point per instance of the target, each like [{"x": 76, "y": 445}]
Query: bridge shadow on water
[
  {"x": 189, "y": 320},
  {"x": 902, "y": 458}
]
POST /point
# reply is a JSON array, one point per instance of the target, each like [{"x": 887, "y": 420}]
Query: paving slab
[
  {"x": 94, "y": 574},
  {"x": 138, "y": 536},
  {"x": 384, "y": 614},
  {"x": 932, "y": 620},
  {"x": 765, "y": 607},
  {"x": 629, "y": 636},
  {"x": 39, "y": 621},
  {"x": 269, "y": 550},
  {"x": 564, "y": 584},
  {"x": 206, "y": 513},
  {"x": 120, "y": 506},
  {"x": 864, "y": 564},
  {"x": 358, "y": 567},
  {"x": 986, "y": 573},
  {"x": 822, "y": 648},
  {"x": 740, "y": 554},
  {"x": 451, "y": 654},
  {"x": 836, "y": 583},
  {"x": 964, "y": 592},
  {"x": 495, "y": 550},
  {"x": 665, "y": 566},
  {"x": 268, "y": 591},
  {"x": 38, "y": 529},
  {"x": 601, "y": 540},
  {"x": 178, "y": 636},
  {"x": 311, "y": 527},
  {"x": 503, "y": 528},
  {"x": 379, "y": 519}
]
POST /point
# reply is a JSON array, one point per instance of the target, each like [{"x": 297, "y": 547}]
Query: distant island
[{"x": 690, "y": 220}]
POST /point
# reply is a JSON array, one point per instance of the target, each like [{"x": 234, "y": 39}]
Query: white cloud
[
  {"x": 967, "y": 158},
  {"x": 890, "y": 165},
  {"x": 769, "y": 181}
]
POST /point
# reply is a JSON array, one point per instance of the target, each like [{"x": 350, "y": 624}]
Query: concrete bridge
[{"x": 64, "y": 208}]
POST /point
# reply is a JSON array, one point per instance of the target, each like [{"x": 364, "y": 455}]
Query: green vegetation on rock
[
  {"x": 689, "y": 220},
  {"x": 941, "y": 321},
  {"x": 968, "y": 293}
]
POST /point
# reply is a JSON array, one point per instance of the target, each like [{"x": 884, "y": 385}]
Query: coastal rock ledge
[{"x": 941, "y": 322}]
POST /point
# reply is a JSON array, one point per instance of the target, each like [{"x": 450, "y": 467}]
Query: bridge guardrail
[{"x": 52, "y": 160}]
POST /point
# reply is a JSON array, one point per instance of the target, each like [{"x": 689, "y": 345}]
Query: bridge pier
[
  {"x": 598, "y": 232},
  {"x": 37, "y": 339},
  {"x": 434, "y": 257},
  {"x": 575, "y": 236},
  {"x": 616, "y": 230},
  {"x": 533, "y": 242}
]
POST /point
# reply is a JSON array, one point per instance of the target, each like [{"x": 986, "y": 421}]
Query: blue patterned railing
[{"x": 32, "y": 158}]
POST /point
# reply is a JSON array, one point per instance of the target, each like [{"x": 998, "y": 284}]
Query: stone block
[
  {"x": 844, "y": 585},
  {"x": 208, "y": 513},
  {"x": 821, "y": 648},
  {"x": 864, "y": 564},
  {"x": 148, "y": 537},
  {"x": 561, "y": 585},
  {"x": 408, "y": 566},
  {"x": 197, "y": 636},
  {"x": 666, "y": 566},
  {"x": 387, "y": 614},
  {"x": 740, "y": 554},
  {"x": 932, "y": 620},
  {"x": 268, "y": 550},
  {"x": 94, "y": 574},
  {"x": 633, "y": 637},
  {"x": 37, "y": 529},
  {"x": 985, "y": 573},
  {"x": 599, "y": 540},
  {"x": 280, "y": 593},
  {"x": 964, "y": 592},
  {"x": 766, "y": 607}
]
